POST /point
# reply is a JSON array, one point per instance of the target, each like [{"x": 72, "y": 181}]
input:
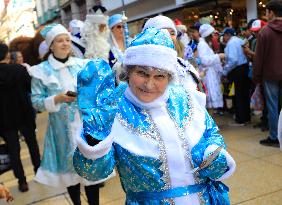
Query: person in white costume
[
  {"x": 211, "y": 66},
  {"x": 96, "y": 34},
  {"x": 152, "y": 130},
  {"x": 51, "y": 82}
]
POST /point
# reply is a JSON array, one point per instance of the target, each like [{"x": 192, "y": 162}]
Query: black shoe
[
  {"x": 269, "y": 142},
  {"x": 23, "y": 187}
]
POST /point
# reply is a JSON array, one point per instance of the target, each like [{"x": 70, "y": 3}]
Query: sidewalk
[{"x": 257, "y": 180}]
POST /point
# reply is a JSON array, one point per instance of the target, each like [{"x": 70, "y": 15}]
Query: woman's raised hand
[{"x": 98, "y": 97}]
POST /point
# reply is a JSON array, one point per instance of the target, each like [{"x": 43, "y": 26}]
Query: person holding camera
[{"x": 54, "y": 90}]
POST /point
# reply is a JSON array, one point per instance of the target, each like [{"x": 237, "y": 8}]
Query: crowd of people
[{"x": 140, "y": 104}]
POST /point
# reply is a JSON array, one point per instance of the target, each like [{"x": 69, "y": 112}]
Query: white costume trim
[
  {"x": 230, "y": 161},
  {"x": 64, "y": 180},
  {"x": 97, "y": 151},
  {"x": 145, "y": 55},
  {"x": 50, "y": 105}
]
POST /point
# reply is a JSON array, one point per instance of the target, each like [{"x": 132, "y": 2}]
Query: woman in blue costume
[
  {"x": 154, "y": 132},
  {"x": 51, "y": 80}
]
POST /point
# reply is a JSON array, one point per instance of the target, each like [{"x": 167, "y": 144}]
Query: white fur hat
[
  {"x": 160, "y": 22},
  {"x": 98, "y": 18},
  {"x": 75, "y": 26},
  {"x": 153, "y": 48},
  {"x": 206, "y": 30},
  {"x": 51, "y": 31}
]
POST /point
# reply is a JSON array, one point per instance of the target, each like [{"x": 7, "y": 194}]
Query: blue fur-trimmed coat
[{"x": 154, "y": 146}]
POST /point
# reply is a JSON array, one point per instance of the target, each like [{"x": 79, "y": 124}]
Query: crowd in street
[{"x": 143, "y": 104}]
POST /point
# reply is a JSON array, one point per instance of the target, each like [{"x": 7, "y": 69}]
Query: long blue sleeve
[
  {"x": 98, "y": 102},
  {"x": 211, "y": 137},
  {"x": 39, "y": 94}
]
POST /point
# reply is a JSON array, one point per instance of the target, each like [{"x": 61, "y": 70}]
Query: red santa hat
[{"x": 179, "y": 25}]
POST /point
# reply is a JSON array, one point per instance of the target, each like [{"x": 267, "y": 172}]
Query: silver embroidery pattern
[{"x": 152, "y": 133}]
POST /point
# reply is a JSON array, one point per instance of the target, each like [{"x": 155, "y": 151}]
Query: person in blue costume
[
  {"x": 51, "y": 80},
  {"x": 153, "y": 131}
]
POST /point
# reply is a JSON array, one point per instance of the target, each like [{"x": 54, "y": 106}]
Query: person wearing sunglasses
[
  {"x": 117, "y": 43},
  {"x": 155, "y": 132}
]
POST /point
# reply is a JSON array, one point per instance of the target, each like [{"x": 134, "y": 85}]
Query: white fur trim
[
  {"x": 55, "y": 31},
  {"x": 230, "y": 161},
  {"x": 63, "y": 180},
  {"x": 50, "y": 104},
  {"x": 97, "y": 18},
  {"x": 97, "y": 151},
  {"x": 152, "y": 55}
]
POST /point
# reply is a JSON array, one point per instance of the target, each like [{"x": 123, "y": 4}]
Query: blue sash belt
[{"x": 217, "y": 192}]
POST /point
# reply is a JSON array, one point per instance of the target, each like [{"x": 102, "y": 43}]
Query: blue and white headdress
[
  {"x": 50, "y": 32},
  {"x": 114, "y": 20},
  {"x": 153, "y": 48}
]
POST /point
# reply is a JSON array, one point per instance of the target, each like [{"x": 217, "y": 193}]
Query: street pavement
[{"x": 257, "y": 180}]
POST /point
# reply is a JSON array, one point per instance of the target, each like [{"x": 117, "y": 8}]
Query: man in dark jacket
[
  {"x": 268, "y": 66},
  {"x": 16, "y": 114}
]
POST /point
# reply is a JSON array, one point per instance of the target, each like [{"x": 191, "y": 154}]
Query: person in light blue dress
[
  {"x": 51, "y": 80},
  {"x": 153, "y": 131}
]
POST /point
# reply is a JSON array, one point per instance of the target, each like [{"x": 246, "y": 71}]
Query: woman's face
[
  {"x": 118, "y": 31},
  {"x": 19, "y": 59},
  {"x": 61, "y": 46},
  {"x": 147, "y": 84}
]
